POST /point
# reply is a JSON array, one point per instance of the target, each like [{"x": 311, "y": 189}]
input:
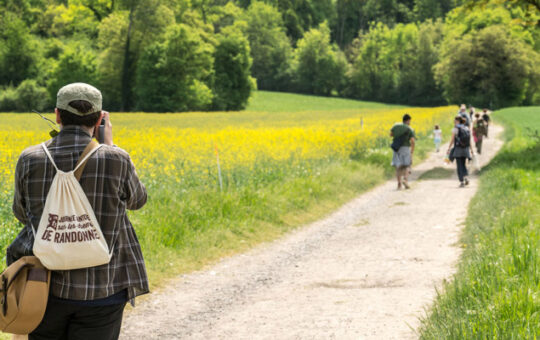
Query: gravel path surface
[{"x": 367, "y": 271}]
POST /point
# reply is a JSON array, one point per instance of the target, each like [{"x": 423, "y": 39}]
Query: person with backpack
[
  {"x": 403, "y": 147},
  {"x": 486, "y": 118},
  {"x": 472, "y": 112},
  {"x": 463, "y": 113},
  {"x": 479, "y": 131},
  {"x": 87, "y": 300},
  {"x": 459, "y": 149}
]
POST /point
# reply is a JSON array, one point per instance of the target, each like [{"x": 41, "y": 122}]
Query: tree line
[{"x": 180, "y": 55}]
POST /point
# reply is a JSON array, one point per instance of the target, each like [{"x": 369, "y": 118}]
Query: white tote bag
[{"x": 68, "y": 235}]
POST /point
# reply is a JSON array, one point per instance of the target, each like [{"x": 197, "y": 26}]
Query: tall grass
[{"x": 496, "y": 291}]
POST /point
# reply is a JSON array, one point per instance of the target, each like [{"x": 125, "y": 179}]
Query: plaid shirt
[{"x": 112, "y": 186}]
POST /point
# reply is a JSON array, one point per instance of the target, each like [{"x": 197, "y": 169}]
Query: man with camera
[{"x": 84, "y": 303}]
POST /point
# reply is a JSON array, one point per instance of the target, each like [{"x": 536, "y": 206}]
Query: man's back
[
  {"x": 401, "y": 129},
  {"x": 111, "y": 186}
]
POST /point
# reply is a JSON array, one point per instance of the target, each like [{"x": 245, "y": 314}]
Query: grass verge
[{"x": 496, "y": 291}]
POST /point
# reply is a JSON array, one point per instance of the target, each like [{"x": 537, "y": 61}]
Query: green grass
[
  {"x": 264, "y": 101},
  {"x": 496, "y": 291}
]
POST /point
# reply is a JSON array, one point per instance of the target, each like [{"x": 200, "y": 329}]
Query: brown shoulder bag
[{"x": 24, "y": 290}]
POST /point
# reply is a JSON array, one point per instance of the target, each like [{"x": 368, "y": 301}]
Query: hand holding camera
[{"x": 103, "y": 131}]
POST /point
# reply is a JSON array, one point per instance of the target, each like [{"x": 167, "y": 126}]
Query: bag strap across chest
[{"x": 88, "y": 151}]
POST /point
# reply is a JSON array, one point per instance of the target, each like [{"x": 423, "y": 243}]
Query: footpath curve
[{"x": 366, "y": 271}]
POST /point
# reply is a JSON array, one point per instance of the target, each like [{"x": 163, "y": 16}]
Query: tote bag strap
[
  {"x": 49, "y": 155},
  {"x": 92, "y": 147}
]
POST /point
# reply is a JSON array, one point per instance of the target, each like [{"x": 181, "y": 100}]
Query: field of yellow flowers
[{"x": 272, "y": 164}]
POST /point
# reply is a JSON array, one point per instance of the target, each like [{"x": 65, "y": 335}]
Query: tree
[
  {"x": 467, "y": 30},
  {"x": 232, "y": 64},
  {"x": 490, "y": 68},
  {"x": 424, "y": 89},
  {"x": 67, "y": 21},
  {"x": 373, "y": 75},
  {"x": 174, "y": 75},
  {"x": 530, "y": 9},
  {"x": 301, "y": 15},
  {"x": 395, "y": 65},
  {"x": 270, "y": 47},
  {"x": 433, "y": 9},
  {"x": 18, "y": 53},
  {"x": 123, "y": 35},
  {"x": 111, "y": 44},
  {"x": 77, "y": 63},
  {"x": 319, "y": 67},
  {"x": 100, "y": 8},
  {"x": 349, "y": 21}
]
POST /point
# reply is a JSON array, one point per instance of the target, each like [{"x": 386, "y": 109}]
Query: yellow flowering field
[
  {"x": 172, "y": 145},
  {"x": 176, "y": 156}
]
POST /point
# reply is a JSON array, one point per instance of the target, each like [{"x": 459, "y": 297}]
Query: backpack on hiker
[
  {"x": 463, "y": 137},
  {"x": 69, "y": 236},
  {"x": 481, "y": 129},
  {"x": 398, "y": 142}
]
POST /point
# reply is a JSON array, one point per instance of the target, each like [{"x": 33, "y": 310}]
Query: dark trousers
[
  {"x": 461, "y": 168},
  {"x": 65, "y": 321},
  {"x": 479, "y": 146}
]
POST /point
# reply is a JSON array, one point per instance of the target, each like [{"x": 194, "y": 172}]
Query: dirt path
[{"x": 366, "y": 271}]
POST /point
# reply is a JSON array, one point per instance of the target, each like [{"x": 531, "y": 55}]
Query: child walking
[{"x": 437, "y": 137}]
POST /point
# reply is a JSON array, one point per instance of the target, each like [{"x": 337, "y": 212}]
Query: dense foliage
[{"x": 179, "y": 55}]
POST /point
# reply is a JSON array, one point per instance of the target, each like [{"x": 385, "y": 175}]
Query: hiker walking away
[
  {"x": 403, "y": 146},
  {"x": 486, "y": 118},
  {"x": 472, "y": 112},
  {"x": 479, "y": 131},
  {"x": 84, "y": 303},
  {"x": 437, "y": 137},
  {"x": 463, "y": 113},
  {"x": 461, "y": 152}
]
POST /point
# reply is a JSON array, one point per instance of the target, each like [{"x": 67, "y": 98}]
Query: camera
[{"x": 101, "y": 131}]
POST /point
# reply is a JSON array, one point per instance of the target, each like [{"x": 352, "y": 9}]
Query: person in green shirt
[{"x": 402, "y": 158}]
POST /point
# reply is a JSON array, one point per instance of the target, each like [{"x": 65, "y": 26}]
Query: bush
[
  {"x": 30, "y": 96},
  {"x": 8, "y": 97}
]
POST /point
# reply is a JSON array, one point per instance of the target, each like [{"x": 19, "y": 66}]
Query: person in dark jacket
[{"x": 462, "y": 150}]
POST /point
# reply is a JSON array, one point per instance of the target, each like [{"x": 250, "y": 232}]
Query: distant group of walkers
[
  {"x": 460, "y": 144},
  {"x": 459, "y": 148}
]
